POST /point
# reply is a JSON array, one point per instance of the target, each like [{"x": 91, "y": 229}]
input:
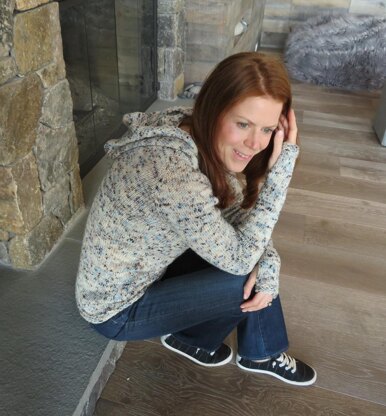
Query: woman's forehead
[{"x": 257, "y": 109}]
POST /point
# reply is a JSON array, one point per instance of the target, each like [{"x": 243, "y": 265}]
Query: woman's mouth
[{"x": 242, "y": 156}]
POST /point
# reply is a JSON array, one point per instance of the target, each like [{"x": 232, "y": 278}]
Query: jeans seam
[{"x": 262, "y": 335}]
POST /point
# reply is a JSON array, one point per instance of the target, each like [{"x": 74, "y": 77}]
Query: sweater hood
[{"x": 159, "y": 128}]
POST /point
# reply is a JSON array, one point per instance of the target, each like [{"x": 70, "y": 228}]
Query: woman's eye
[
  {"x": 267, "y": 130},
  {"x": 242, "y": 125}
]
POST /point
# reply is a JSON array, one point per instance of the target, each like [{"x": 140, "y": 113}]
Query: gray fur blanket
[{"x": 340, "y": 50}]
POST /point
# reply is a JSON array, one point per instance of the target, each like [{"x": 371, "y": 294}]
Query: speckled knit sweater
[{"x": 154, "y": 203}]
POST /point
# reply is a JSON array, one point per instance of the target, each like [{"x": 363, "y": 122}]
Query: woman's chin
[{"x": 237, "y": 167}]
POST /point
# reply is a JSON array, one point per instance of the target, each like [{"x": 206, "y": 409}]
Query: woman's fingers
[
  {"x": 283, "y": 124},
  {"x": 259, "y": 301},
  {"x": 287, "y": 130},
  {"x": 250, "y": 284},
  {"x": 277, "y": 144},
  {"x": 292, "y": 127},
  {"x": 277, "y": 147}
]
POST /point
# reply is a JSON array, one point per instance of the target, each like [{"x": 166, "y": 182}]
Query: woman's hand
[
  {"x": 260, "y": 300},
  {"x": 287, "y": 131}
]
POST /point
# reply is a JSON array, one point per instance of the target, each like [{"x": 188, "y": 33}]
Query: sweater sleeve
[
  {"x": 184, "y": 199},
  {"x": 268, "y": 271},
  {"x": 269, "y": 263}
]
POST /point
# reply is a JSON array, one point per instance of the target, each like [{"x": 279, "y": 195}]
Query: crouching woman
[{"x": 178, "y": 240}]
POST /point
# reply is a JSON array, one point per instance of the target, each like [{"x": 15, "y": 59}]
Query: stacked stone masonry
[
  {"x": 40, "y": 186},
  {"x": 171, "y": 48}
]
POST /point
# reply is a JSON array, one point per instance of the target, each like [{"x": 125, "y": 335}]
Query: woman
[{"x": 178, "y": 237}]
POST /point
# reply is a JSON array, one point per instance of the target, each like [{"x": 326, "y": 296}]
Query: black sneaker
[
  {"x": 283, "y": 367},
  {"x": 208, "y": 359}
]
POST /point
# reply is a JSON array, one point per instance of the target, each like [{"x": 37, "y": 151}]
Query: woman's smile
[{"x": 242, "y": 156}]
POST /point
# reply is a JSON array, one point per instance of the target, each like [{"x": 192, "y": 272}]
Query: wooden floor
[{"x": 332, "y": 240}]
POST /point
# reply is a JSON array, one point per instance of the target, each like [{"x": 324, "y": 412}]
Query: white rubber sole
[
  {"x": 193, "y": 359},
  {"x": 269, "y": 373}
]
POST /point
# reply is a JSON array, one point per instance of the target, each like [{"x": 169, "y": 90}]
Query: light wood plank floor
[
  {"x": 149, "y": 380},
  {"x": 332, "y": 240}
]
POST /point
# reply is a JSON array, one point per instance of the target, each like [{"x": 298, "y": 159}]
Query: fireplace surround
[
  {"x": 110, "y": 52},
  {"x": 40, "y": 185}
]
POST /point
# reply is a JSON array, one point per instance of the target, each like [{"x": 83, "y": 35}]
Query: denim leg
[
  {"x": 263, "y": 334},
  {"x": 201, "y": 309},
  {"x": 209, "y": 335},
  {"x": 260, "y": 334},
  {"x": 210, "y": 297}
]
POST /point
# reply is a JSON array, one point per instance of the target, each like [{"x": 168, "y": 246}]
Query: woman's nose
[{"x": 255, "y": 141}]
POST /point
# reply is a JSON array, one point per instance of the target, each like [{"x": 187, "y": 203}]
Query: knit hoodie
[{"x": 154, "y": 203}]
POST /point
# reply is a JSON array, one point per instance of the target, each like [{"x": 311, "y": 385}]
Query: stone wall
[
  {"x": 40, "y": 187},
  {"x": 281, "y": 15},
  {"x": 171, "y": 48}
]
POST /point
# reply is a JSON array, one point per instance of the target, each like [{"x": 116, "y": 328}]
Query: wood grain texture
[
  {"x": 342, "y": 331},
  {"x": 341, "y": 121},
  {"x": 150, "y": 380},
  {"x": 328, "y": 141},
  {"x": 328, "y": 104},
  {"x": 290, "y": 224},
  {"x": 375, "y": 7},
  {"x": 322, "y": 3},
  {"x": 332, "y": 265},
  {"x": 323, "y": 164},
  {"x": 354, "y": 239},
  {"x": 336, "y": 207},
  {"x": 362, "y": 169},
  {"x": 331, "y": 237},
  {"x": 301, "y": 89},
  {"x": 313, "y": 231},
  {"x": 340, "y": 186}
]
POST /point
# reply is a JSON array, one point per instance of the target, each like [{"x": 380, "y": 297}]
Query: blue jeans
[{"x": 200, "y": 308}]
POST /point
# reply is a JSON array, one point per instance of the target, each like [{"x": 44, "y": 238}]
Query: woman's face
[{"x": 245, "y": 130}]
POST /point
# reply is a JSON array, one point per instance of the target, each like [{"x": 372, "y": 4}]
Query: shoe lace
[
  {"x": 211, "y": 353},
  {"x": 286, "y": 360}
]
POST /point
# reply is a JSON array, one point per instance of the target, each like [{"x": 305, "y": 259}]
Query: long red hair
[{"x": 237, "y": 77}]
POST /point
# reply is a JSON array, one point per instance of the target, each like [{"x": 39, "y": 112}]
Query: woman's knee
[{"x": 231, "y": 284}]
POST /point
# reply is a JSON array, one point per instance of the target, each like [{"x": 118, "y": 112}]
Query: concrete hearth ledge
[
  {"x": 99, "y": 378},
  {"x": 52, "y": 362}
]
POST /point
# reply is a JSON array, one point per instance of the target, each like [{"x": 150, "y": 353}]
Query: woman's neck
[{"x": 185, "y": 127}]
